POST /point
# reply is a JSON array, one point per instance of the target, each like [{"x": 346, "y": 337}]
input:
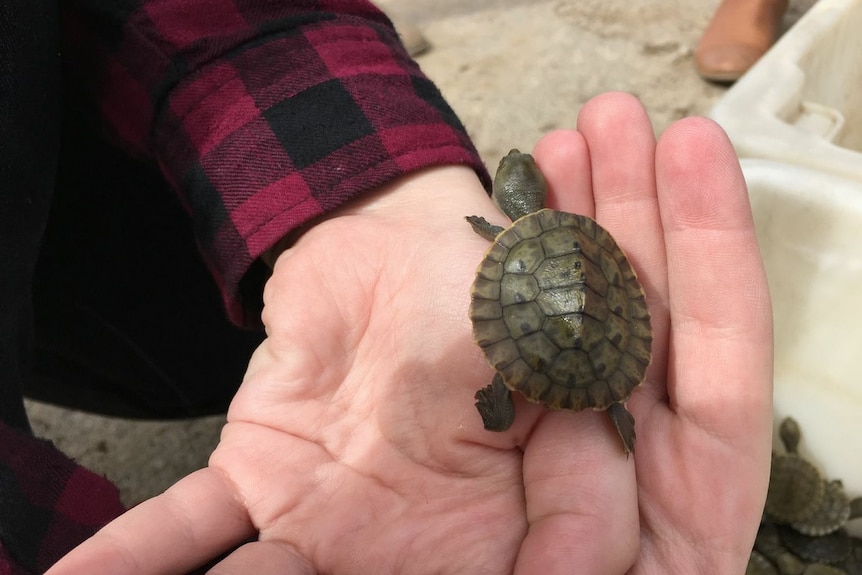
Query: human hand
[{"x": 353, "y": 445}]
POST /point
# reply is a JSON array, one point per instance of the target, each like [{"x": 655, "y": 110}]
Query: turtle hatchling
[
  {"x": 556, "y": 307},
  {"x": 795, "y": 486}
]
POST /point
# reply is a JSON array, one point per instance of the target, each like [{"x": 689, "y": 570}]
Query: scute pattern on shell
[
  {"x": 559, "y": 312},
  {"x": 832, "y": 512},
  {"x": 795, "y": 489}
]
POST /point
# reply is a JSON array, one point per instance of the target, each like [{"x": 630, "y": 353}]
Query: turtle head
[{"x": 519, "y": 186}]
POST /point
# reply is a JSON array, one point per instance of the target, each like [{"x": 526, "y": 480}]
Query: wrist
[{"x": 432, "y": 199}]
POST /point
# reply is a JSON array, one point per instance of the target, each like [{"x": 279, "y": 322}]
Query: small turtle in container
[{"x": 803, "y": 532}]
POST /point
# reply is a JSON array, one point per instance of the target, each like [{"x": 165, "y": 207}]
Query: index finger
[{"x": 189, "y": 524}]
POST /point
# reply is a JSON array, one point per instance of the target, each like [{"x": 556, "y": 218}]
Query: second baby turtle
[
  {"x": 556, "y": 307},
  {"x": 795, "y": 486}
]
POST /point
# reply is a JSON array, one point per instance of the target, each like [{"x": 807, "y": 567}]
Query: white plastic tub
[
  {"x": 809, "y": 225},
  {"x": 802, "y": 102}
]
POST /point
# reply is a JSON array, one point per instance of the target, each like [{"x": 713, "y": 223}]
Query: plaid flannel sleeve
[
  {"x": 48, "y": 503},
  {"x": 262, "y": 114}
]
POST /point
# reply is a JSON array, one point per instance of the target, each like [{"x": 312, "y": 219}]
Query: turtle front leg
[
  {"x": 625, "y": 424},
  {"x": 495, "y": 405},
  {"x": 483, "y": 228}
]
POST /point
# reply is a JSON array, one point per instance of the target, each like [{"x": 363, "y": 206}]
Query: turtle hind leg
[
  {"x": 495, "y": 405},
  {"x": 483, "y": 228},
  {"x": 625, "y": 424}
]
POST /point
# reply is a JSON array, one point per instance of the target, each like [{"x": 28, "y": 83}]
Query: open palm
[{"x": 353, "y": 445}]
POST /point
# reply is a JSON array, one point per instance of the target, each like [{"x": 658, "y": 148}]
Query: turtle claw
[
  {"x": 495, "y": 405},
  {"x": 485, "y": 229}
]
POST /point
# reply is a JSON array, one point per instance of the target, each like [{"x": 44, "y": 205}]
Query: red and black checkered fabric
[
  {"x": 262, "y": 114},
  {"x": 48, "y": 503}
]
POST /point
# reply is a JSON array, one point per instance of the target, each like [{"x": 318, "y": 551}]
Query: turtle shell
[
  {"x": 832, "y": 548},
  {"x": 832, "y": 513},
  {"x": 768, "y": 544},
  {"x": 560, "y": 314},
  {"x": 759, "y": 565},
  {"x": 795, "y": 489}
]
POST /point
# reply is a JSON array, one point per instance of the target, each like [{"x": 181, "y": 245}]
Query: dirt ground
[{"x": 512, "y": 69}]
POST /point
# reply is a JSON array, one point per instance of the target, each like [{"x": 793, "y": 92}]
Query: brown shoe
[{"x": 741, "y": 31}]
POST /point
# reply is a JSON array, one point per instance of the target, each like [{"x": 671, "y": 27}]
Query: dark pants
[{"x": 105, "y": 303}]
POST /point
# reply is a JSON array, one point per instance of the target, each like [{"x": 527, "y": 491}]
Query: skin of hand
[{"x": 353, "y": 446}]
